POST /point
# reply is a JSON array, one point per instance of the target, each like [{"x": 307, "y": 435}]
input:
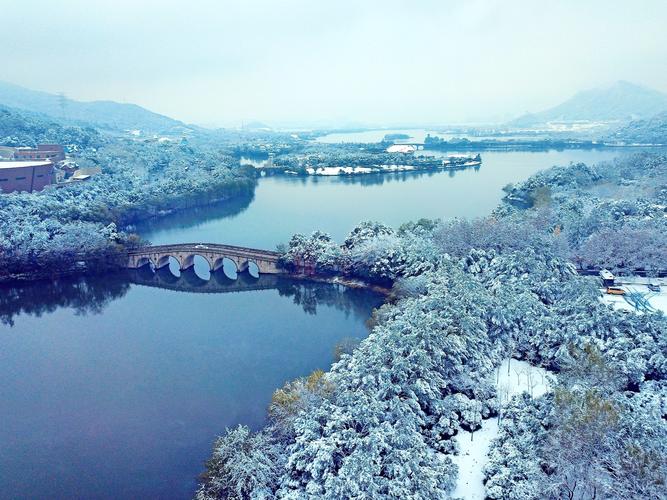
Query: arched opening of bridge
[
  {"x": 252, "y": 268},
  {"x": 145, "y": 262},
  {"x": 169, "y": 263},
  {"x": 202, "y": 267},
  {"x": 227, "y": 267},
  {"x": 198, "y": 264}
]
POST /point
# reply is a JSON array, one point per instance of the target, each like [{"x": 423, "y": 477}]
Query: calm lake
[
  {"x": 283, "y": 205},
  {"x": 114, "y": 389}
]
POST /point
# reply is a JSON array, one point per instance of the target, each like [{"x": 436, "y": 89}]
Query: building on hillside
[
  {"x": 25, "y": 175},
  {"x": 607, "y": 278},
  {"x": 68, "y": 166},
  {"x": 53, "y": 152},
  {"x": 83, "y": 174}
]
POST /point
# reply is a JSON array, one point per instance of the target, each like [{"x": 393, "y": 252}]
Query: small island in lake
[
  {"x": 343, "y": 163},
  {"x": 396, "y": 137}
]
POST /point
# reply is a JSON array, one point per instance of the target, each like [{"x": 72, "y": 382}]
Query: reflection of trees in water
[
  {"x": 86, "y": 295},
  {"x": 92, "y": 294},
  {"x": 376, "y": 179},
  {"x": 309, "y": 295},
  {"x": 197, "y": 215}
]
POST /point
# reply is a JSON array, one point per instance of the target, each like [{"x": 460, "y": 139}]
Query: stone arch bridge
[{"x": 184, "y": 253}]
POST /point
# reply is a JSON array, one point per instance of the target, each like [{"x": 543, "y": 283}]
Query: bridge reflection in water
[
  {"x": 91, "y": 295},
  {"x": 190, "y": 281}
]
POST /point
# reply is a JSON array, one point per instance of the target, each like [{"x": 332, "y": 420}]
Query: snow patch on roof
[{"x": 24, "y": 164}]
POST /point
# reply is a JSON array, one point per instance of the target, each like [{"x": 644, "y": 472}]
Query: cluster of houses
[{"x": 32, "y": 169}]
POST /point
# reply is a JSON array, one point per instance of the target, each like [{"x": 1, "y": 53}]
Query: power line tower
[{"x": 62, "y": 102}]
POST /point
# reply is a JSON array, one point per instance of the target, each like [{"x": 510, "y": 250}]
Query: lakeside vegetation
[
  {"x": 362, "y": 162},
  {"x": 509, "y": 144},
  {"x": 22, "y": 128},
  {"x": 651, "y": 130},
  {"x": 466, "y": 295},
  {"x": 612, "y": 215},
  {"x": 79, "y": 227}
]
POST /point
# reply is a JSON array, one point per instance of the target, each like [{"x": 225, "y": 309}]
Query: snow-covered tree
[{"x": 243, "y": 465}]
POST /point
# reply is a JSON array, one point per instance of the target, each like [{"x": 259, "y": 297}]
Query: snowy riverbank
[{"x": 474, "y": 447}]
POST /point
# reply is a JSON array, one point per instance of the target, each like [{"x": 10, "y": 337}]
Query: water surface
[
  {"x": 283, "y": 205},
  {"x": 115, "y": 390}
]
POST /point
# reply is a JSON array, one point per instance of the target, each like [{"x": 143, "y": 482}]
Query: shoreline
[{"x": 341, "y": 280}]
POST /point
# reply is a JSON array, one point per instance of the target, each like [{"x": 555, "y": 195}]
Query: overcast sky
[{"x": 279, "y": 61}]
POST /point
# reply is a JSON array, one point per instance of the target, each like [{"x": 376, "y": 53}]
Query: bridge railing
[{"x": 204, "y": 247}]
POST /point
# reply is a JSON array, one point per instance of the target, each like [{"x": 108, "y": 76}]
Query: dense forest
[
  {"x": 22, "y": 128},
  {"x": 507, "y": 144},
  {"x": 466, "y": 295},
  {"x": 611, "y": 215},
  {"x": 651, "y": 130}
]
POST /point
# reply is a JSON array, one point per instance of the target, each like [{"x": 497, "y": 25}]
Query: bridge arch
[
  {"x": 166, "y": 275},
  {"x": 189, "y": 261},
  {"x": 163, "y": 261},
  {"x": 218, "y": 264},
  {"x": 243, "y": 265},
  {"x": 227, "y": 266},
  {"x": 250, "y": 267},
  {"x": 145, "y": 261},
  {"x": 169, "y": 263}
]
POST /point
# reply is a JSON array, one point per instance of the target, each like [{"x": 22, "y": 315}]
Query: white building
[{"x": 401, "y": 148}]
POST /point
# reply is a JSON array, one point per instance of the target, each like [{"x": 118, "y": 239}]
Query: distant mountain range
[
  {"x": 102, "y": 114},
  {"x": 622, "y": 101}
]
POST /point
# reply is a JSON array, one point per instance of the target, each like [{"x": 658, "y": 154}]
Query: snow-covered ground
[
  {"x": 658, "y": 300},
  {"x": 359, "y": 170},
  {"x": 446, "y": 164},
  {"x": 471, "y": 460},
  {"x": 512, "y": 377}
]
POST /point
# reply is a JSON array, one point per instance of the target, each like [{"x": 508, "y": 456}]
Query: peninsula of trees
[{"x": 466, "y": 295}]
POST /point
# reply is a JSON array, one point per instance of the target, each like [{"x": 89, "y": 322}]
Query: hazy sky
[{"x": 386, "y": 61}]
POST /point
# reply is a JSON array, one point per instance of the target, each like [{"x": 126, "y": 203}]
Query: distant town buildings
[
  {"x": 401, "y": 148},
  {"x": 25, "y": 175}
]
